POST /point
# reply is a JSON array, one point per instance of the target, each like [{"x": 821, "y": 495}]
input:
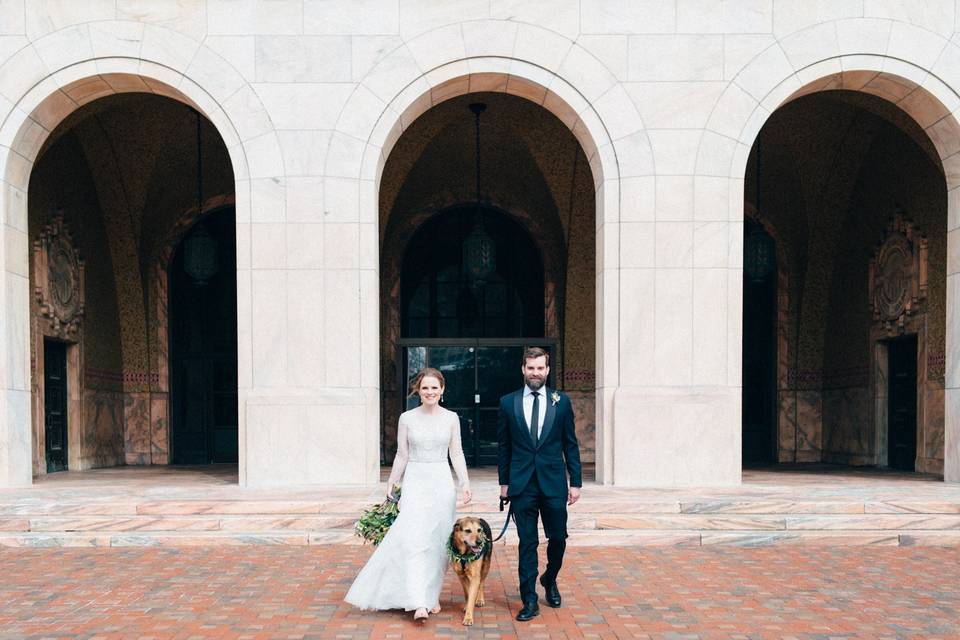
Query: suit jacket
[{"x": 555, "y": 454}]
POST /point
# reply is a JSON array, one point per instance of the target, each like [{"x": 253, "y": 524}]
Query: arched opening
[
  {"x": 852, "y": 192},
  {"x": 537, "y": 207},
  {"x": 203, "y": 343},
  {"x": 113, "y": 186}
]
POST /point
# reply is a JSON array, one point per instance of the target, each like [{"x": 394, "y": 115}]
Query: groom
[{"x": 538, "y": 448}]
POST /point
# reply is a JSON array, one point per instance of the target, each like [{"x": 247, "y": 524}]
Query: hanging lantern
[
  {"x": 200, "y": 256},
  {"x": 479, "y": 249},
  {"x": 759, "y": 255},
  {"x": 479, "y": 256}
]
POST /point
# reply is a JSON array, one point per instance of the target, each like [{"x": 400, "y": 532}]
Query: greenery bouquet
[{"x": 376, "y": 520}]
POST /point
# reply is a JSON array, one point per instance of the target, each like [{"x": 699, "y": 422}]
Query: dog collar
[{"x": 466, "y": 558}]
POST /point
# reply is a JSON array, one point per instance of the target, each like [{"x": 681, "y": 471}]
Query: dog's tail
[{"x": 489, "y": 536}]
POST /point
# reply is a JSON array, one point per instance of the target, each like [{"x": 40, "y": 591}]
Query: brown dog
[{"x": 471, "y": 549}]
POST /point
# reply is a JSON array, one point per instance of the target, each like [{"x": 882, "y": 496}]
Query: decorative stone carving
[
  {"x": 58, "y": 277},
  {"x": 898, "y": 275}
]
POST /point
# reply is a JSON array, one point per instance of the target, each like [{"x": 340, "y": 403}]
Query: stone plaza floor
[{"x": 278, "y": 591}]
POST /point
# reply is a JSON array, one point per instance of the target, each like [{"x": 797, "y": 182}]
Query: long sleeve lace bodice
[{"x": 429, "y": 438}]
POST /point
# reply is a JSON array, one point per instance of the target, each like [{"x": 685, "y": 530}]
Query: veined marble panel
[
  {"x": 136, "y": 427},
  {"x": 123, "y": 524},
  {"x": 14, "y": 524},
  {"x": 212, "y": 539},
  {"x": 929, "y": 539},
  {"x": 246, "y": 507},
  {"x": 634, "y": 538},
  {"x": 687, "y": 522},
  {"x": 912, "y": 507},
  {"x": 45, "y": 540},
  {"x": 806, "y": 538},
  {"x": 159, "y": 429},
  {"x": 103, "y": 437},
  {"x": 288, "y": 524},
  {"x": 772, "y": 507},
  {"x": 872, "y": 521}
]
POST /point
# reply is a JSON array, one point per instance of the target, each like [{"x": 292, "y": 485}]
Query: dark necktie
[{"x": 535, "y": 416}]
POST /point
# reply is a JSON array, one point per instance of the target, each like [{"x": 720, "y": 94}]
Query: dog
[{"x": 471, "y": 549}]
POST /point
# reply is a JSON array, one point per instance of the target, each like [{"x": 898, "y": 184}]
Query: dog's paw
[
  {"x": 479, "y": 603},
  {"x": 468, "y": 621}
]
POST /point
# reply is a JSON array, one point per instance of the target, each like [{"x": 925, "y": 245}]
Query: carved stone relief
[
  {"x": 58, "y": 277},
  {"x": 898, "y": 276}
]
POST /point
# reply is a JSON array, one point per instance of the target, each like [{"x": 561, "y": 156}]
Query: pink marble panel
[
  {"x": 34, "y": 540},
  {"x": 759, "y": 506},
  {"x": 14, "y": 524},
  {"x": 913, "y": 507},
  {"x": 691, "y": 522},
  {"x": 810, "y": 538},
  {"x": 584, "y": 408},
  {"x": 207, "y": 540},
  {"x": 246, "y": 507},
  {"x": 136, "y": 428},
  {"x": 93, "y": 523},
  {"x": 103, "y": 435},
  {"x": 874, "y": 521},
  {"x": 159, "y": 428},
  {"x": 288, "y": 524}
]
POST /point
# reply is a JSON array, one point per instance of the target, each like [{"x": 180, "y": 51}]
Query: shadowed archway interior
[
  {"x": 853, "y": 192},
  {"x": 115, "y": 183},
  {"x": 538, "y": 195}
]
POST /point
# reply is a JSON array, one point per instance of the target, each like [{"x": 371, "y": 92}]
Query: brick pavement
[{"x": 296, "y": 592}]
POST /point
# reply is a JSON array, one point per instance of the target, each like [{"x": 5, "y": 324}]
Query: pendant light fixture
[
  {"x": 200, "y": 251},
  {"x": 479, "y": 249}
]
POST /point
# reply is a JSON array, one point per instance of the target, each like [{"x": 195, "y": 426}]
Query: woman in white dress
[{"x": 406, "y": 570}]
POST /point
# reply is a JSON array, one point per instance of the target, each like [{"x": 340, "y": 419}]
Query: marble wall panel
[
  {"x": 787, "y": 425},
  {"x": 585, "y": 414},
  {"x": 847, "y": 427},
  {"x": 159, "y": 428},
  {"x": 809, "y": 425},
  {"x": 103, "y": 437},
  {"x": 136, "y": 428}
]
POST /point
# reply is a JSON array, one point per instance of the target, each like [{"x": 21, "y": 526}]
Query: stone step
[
  {"x": 578, "y": 521},
  {"x": 635, "y": 538},
  {"x": 16, "y": 511}
]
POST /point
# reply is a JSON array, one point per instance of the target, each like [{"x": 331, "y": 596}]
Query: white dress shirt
[{"x": 528, "y": 407}]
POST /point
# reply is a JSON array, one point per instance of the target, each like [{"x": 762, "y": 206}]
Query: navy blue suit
[{"x": 536, "y": 474}]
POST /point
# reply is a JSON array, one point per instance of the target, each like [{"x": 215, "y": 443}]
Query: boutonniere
[{"x": 554, "y": 398}]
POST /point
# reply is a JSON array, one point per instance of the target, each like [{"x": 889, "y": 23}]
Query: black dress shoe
[
  {"x": 529, "y": 611},
  {"x": 552, "y": 595}
]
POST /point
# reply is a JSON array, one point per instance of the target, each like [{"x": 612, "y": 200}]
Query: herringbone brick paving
[{"x": 258, "y": 592}]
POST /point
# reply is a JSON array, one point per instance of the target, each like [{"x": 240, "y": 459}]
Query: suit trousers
[{"x": 527, "y": 507}]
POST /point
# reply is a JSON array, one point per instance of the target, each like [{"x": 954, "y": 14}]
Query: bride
[{"x": 406, "y": 570}]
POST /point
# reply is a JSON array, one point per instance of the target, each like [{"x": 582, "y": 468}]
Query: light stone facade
[{"x": 665, "y": 96}]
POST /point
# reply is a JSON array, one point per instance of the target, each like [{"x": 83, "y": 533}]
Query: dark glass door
[
  {"x": 759, "y": 393},
  {"x": 477, "y": 374},
  {"x": 55, "y": 404},
  {"x": 203, "y": 350},
  {"x": 902, "y": 417}
]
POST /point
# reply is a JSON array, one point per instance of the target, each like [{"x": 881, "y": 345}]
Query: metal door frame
[{"x": 404, "y": 343}]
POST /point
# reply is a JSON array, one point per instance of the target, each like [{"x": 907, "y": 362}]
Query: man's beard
[{"x": 533, "y": 383}]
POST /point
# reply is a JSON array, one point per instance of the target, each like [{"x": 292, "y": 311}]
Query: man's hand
[
  {"x": 573, "y": 495},
  {"x": 504, "y": 490}
]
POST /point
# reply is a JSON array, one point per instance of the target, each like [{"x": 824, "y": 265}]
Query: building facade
[{"x": 232, "y": 228}]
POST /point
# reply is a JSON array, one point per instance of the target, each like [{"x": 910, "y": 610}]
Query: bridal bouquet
[{"x": 376, "y": 520}]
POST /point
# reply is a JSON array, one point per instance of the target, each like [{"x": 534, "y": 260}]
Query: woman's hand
[{"x": 467, "y": 495}]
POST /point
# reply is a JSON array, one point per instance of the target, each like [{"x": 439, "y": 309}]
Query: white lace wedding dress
[{"x": 406, "y": 570}]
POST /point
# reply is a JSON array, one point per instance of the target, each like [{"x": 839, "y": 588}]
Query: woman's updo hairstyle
[{"x": 423, "y": 373}]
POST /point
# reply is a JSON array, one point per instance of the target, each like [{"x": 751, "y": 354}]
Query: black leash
[{"x": 506, "y": 523}]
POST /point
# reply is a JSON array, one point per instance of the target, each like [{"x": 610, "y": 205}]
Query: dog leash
[{"x": 506, "y": 523}]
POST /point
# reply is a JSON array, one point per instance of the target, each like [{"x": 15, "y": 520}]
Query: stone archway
[
  {"x": 527, "y": 61},
  {"x": 50, "y": 84},
  {"x": 787, "y": 71}
]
